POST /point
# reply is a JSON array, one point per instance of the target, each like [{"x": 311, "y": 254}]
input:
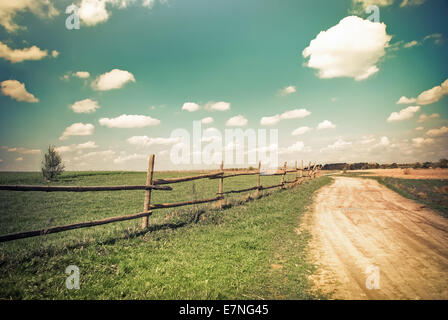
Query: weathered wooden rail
[{"x": 159, "y": 184}]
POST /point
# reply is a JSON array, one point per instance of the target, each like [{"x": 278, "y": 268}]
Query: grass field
[
  {"x": 430, "y": 192},
  {"x": 247, "y": 251}
]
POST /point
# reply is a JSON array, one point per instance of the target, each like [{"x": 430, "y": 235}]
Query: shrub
[{"x": 52, "y": 165}]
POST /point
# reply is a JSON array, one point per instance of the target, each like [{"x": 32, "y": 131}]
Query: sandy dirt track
[{"x": 359, "y": 223}]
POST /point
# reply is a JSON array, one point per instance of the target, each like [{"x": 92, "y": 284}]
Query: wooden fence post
[
  {"x": 295, "y": 168},
  {"x": 221, "y": 185},
  {"x": 258, "y": 180},
  {"x": 309, "y": 169},
  {"x": 283, "y": 176},
  {"x": 301, "y": 171},
  {"x": 149, "y": 178}
]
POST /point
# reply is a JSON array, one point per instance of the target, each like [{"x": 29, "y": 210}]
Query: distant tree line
[{"x": 442, "y": 163}]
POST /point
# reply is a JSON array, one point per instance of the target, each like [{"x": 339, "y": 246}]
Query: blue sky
[{"x": 242, "y": 53}]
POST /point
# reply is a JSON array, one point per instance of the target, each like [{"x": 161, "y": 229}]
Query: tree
[
  {"x": 52, "y": 165},
  {"x": 443, "y": 163}
]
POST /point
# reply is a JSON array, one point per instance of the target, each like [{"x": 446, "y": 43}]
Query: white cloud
[
  {"x": 77, "y": 147},
  {"x": 237, "y": 121},
  {"x": 218, "y": 106},
  {"x": 20, "y": 55},
  {"x": 114, "y": 79},
  {"x": 423, "y": 117},
  {"x": 129, "y": 121},
  {"x": 419, "y": 128},
  {"x": 380, "y": 3},
  {"x": 269, "y": 121},
  {"x": 434, "y": 94},
  {"x": 85, "y": 106},
  {"x": 78, "y": 129},
  {"x": 287, "y": 90},
  {"x": 403, "y": 114},
  {"x": 420, "y": 142},
  {"x": 384, "y": 141},
  {"x": 207, "y": 120},
  {"x": 352, "y": 48},
  {"x": 411, "y": 44},
  {"x": 190, "y": 106},
  {"x": 326, "y": 124},
  {"x": 298, "y": 146},
  {"x": 21, "y": 150},
  {"x": 438, "y": 38},
  {"x": 54, "y": 53},
  {"x": 19, "y": 159},
  {"x": 125, "y": 158},
  {"x": 406, "y": 3},
  {"x": 339, "y": 144},
  {"x": 82, "y": 74},
  {"x": 291, "y": 114},
  {"x": 405, "y": 100},
  {"x": 147, "y": 141},
  {"x": 437, "y": 132},
  {"x": 92, "y": 12},
  {"x": 301, "y": 130},
  {"x": 9, "y": 9},
  {"x": 17, "y": 91}
]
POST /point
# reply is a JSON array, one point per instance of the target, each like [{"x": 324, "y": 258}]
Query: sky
[{"x": 337, "y": 84}]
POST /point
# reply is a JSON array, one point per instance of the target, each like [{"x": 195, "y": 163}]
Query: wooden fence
[{"x": 160, "y": 184}]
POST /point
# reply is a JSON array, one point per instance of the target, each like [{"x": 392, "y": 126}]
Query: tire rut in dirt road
[{"x": 358, "y": 225}]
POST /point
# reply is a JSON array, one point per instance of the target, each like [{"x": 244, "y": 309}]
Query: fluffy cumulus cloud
[
  {"x": 236, "y": 121},
  {"x": 301, "y": 130},
  {"x": 78, "y": 129},
  {"x": 405, "y": 100},
  {"x": 20, "y": 55},
  {"x": 85, "y": 106},
  {"x": 429, "y": 96},
  {"x": 218, "y": 106},
  {"x": 190, "y": 106},
  {"x": 16, "y": 90},
  {"x": 443, "y": 131},
  {"x": 114, "y": 79},
  {"x": 326, "y": 124},
  {"x": 207, "y": 120},
  {"x": 352, "y": 48},
  {"x": 434, "y": 94},
  {"x": 287, "y": 90},
  {"x": 147, "y": 141},
  {"x": 129, "y": 121},
  {"x": 10, "y": 8},
  {"x": 291, "y": 114},
  {"x": 339, "y": 144},
  {"x": 403, "y": 114}
]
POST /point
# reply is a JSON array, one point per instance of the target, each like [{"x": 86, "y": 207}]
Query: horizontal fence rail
[
  {"x": 160, "y": 184},
  {"x": 80, "y": 188}
]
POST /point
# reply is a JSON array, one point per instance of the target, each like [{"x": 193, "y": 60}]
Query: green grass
[
  {"x": 190, "y": 253},
  {"x": 430, "y": 192}
]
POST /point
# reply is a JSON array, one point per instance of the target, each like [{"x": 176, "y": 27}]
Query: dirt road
[{"x": 362, "y": 229}]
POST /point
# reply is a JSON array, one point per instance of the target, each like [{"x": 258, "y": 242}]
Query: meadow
[{"x": 248, "y": 250}]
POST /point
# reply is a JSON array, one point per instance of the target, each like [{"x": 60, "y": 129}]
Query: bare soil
[{"x": 358, "y": 223}]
